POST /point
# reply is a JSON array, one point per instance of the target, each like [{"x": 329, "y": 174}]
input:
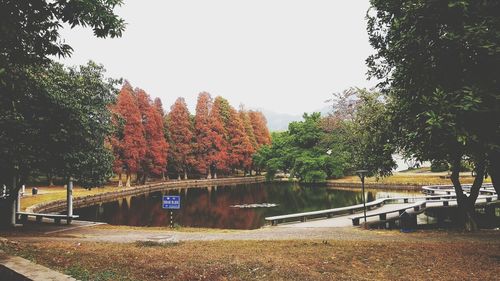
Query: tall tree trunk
[
  {"x": 163, "y": 175},
  {"x": 494, "y": 171},
  {"x": 185, "y": 174},
  {"x": 466, "y": 205},
  {"x": 8, "y": 206},
  {"x": 7, "y": 212}
]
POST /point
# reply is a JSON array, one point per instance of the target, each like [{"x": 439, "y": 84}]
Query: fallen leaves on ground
[{"x": 270, "y": 260}]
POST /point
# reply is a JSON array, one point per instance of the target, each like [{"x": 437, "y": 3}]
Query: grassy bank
[
  {"x": 52, "y": 193},
  {"x": 410, "y": 178},
  {"x": 269, "y": 260}
]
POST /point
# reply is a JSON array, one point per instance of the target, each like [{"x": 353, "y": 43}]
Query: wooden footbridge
[{"x": 386, "y": 211}]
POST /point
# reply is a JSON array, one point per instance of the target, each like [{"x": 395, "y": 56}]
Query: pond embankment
[
  {"x": 114, "y": 194},
  {"x": 412, "y": 187}
]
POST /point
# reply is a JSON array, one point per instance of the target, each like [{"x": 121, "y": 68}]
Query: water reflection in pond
[{"x": 211, "y": 206}]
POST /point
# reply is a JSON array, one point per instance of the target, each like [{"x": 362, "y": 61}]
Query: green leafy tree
[
  {"x": 29, "y": 35},
  {"x": 359, "y": 126},
  {"x": 302, "y": 152},
  {"x": 30, "y": 29},
  {"x": 439, "y": 62},
  {"x": 65, "y": 126},
  {"x": 77, "y": 122}
]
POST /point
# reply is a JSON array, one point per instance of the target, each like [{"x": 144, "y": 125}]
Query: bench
[
  {"x": 39, "y": 217},
  {"x": 383, "y": 215}
]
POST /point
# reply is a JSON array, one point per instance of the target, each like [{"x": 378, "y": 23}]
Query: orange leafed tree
[
  {"x": 155, "y": 159},
  {"x": 159, "y": 116},
  {"x": 241, "y": 149},
  {"x": 259, "y": 125},
  {"x": 218, "y": 153},
  {"x": 159, "y": 106},
  {"x": 129, "y": 142},
  {"x": 181, "y": 136},
  {"x": 247, "y": 124},
  {"x": 202, "y": 131}
]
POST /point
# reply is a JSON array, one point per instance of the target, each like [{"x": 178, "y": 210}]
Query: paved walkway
[{"x": 126, "y": 235}]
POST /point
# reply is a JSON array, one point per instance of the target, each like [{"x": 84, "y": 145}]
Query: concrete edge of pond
[{"x": 20, "y": 269}]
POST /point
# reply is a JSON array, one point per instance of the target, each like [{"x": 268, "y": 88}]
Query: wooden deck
[{"x": 380, "y": 210}]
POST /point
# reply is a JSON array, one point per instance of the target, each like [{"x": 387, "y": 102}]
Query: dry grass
[
  {"x": 52, "y": 193},
  {"x": 411, "y": 179},
  {"x": 270, "y": 260}
]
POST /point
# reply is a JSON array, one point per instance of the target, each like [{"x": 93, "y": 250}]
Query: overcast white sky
[{"x": 287, "y": 56}]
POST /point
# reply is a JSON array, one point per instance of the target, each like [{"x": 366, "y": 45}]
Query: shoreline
[
  {"x": 89, "y": 200},
  {"x": 79, "y": 202},
  {"x": 406, "y": 187}
]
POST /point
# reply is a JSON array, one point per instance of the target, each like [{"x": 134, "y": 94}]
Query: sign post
[{"x": 171, "y": 203}]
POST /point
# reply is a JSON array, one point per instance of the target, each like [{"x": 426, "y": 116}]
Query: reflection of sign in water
[{"x": 171, "y": 202}]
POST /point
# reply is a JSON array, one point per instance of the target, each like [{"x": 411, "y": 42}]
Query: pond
[{"x": 228, "y": 207}]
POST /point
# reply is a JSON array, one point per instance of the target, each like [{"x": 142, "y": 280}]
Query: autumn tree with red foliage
[
  {"x": 202, "y": 130},
  {"x": 259, "y": 124},
  {"x": 129, "y": 143},
  {"x": 217, "y": 139},
  {"x": 218, "y": 153},
  {"x": 159, "y": 106},
  {"x": 155, "y": 159},
  {"x": 241, "y": 149},
  {"x": 181, "y": 137},
  {"x": 247, "y": 124},
  {"x": 164, "y": 129}
]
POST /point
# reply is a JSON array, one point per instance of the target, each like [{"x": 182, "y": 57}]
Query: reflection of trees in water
[
  {"x": 210, "y": 207},
  {"x": 202, "y": 209}
]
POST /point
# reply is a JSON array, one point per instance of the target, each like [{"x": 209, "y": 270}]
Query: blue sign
[{"x": 171, "y": 202}]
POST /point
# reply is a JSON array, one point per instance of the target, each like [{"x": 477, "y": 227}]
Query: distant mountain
[{"x": 279, "y": 121}]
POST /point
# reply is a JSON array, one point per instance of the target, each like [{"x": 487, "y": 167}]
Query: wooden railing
[{"x": 420, "y": 203}]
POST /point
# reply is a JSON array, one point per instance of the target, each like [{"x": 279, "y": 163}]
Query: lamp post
[{"x": 361, "y": 174}]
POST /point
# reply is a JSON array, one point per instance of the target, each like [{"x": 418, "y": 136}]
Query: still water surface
[{"x": 213, "y": 207}]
